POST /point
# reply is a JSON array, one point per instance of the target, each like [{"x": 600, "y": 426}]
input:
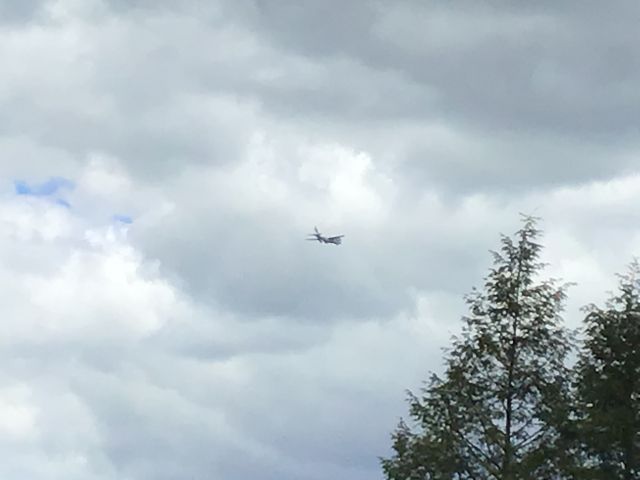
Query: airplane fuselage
[{"x": 337, "y": 240}]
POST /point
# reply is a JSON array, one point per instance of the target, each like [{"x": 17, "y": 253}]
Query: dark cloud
[
  {"x": 512, "y": 163},
  {"x": 530, "y": 83},
  {"x": 492, "y": 66},
  {"x": 514, "y": 78}
]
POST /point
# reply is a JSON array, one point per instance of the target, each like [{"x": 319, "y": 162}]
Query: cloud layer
[{"x": 163, "y": 162}]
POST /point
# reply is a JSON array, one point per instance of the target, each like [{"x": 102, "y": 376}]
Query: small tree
[
  {"x": 608, "y": 383},
  {"x": 497, "y": 411}
]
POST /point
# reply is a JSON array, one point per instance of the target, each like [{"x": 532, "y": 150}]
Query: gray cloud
[
  {"x": 208, "y": 339},
  {"x": 501, "y": 67},
  {"x": 519, "y": 74},
  {"x": 17, "y": 12}
]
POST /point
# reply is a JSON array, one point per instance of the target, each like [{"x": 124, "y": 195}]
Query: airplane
[{"x": 336, "y": 240}]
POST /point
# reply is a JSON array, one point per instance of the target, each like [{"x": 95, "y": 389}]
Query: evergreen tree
[
  {"x": 608, "y": 384},
  {"x": 498, "y": 409}
]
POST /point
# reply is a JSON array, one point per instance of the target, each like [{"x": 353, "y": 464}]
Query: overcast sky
[{"x": 161, "y": 163}]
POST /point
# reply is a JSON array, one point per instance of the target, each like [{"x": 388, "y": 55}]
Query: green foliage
[
  {"x": 502, "y": 403},
  {"x": 608, "y": 384}
]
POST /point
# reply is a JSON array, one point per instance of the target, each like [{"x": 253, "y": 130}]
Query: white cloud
[
  {"x": 32, "y": 219},
  {"x": 103, "y": 176},
  {"x": 93, "y": 285},
  {"x": 18, "y": 418}
]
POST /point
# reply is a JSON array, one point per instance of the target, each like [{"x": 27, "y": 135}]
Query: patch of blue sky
[
  {"x": 45, "y": 189},
  {"x": 123, "y": 219}
]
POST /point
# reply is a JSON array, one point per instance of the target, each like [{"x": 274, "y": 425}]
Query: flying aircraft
[{"x": 336, "y": 240}]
